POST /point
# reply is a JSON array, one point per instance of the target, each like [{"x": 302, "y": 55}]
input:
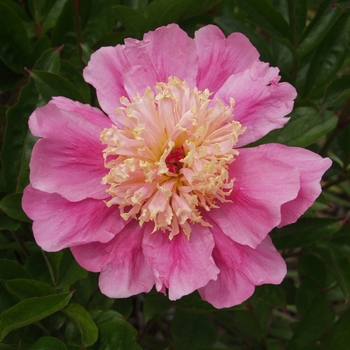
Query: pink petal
[
  {"x": 262, "y": 185},
  {"x": 59, "y": 224},
  {"x": 124, "y": 271},
  {"x": 181, "y": 265},
  {"x": 219, "y": 58},
  {"x": 167, "y": 51},
  {"x": 311, "y": 167},
  {"x": 261, "y": 102},
  {"x": 241, "y": 269},
  {"x": 68, "y": 159},
  {"x": 104, "y": 73}
]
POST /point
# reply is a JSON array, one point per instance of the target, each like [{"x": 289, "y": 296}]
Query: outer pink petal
[
  {"x": 218, "y": 57},
  {"x": 241, "y": 269},
  {"x": 181, "y": 265},
  {"x": 167, "y": 51},
  {"x": 59, "y": 223},
  {"x": 311, "y": 167},
  {"x": 104, "y": 72},
  {"x": 124, "y": 271},
  {"x": 262, "y": 185},
  {"x": 68, "y": 159},
  {"x": 261, "y": 102}
]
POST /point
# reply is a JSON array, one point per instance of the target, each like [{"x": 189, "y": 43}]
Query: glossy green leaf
[
  {"x": 190, "y": 331},
  {"x": 48, "y": 343},
  {"x": 116, "y": 332},
  {"x": 18, "y": 142},
  {"x": 49, "y": 61},
  {"x": 12, "y": 206},
  {"x": 31, "y": 310},
  {"x": 305, "y": 295},
  {"x": 53, "y": 261},
  {"x": 98, "y": 19},
  {"x": 70, "y": 271},
  {"x": 313, "y": 323},
  {"x": 324, "y": 19},
  {"x": 14, "y": 42},
  {"x": 132, "y": 19},
  {"x": 297, "y": 10},
  {"x": 28, "y": 288},
  {"x": 337, "y": 263},
  {"x": 51, "y": 17},
  {"x": 83, "y": 321},
  {"x": 338, "y": 89},
  {"x": 267, "y": 17},
  {"x": 304, "y": 232},
  {"x": 343, "y": 4},
  {"x": 162, "y": 12},
  {"x": 11, "y": 269},
  {"x": 74, "y": 76},
  {"x": 50, "y": 84},
  {"x": 305, "y": 127},
  {"x": 328, "y": 57},
  {"x": 7, "y": 299}
]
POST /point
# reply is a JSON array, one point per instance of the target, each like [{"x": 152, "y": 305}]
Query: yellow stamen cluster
[{"x": 171, "y": 157}]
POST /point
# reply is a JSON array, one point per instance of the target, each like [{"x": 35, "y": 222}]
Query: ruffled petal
[
  {"x": 124, "y": 271},
  {"x": 261, "y": 101},
  {"x": 311, "y": 167},
  {"x": 104, "y": 73},
  {"x": 241, "y": 269},
  {"x": 261, "y": 186},
  {"x": 59, "y": 224},
  {"x": 165, "y": 52},
  {"x": 68, "y": 159},
  {"x": 220, "y": 57},
  {"x": 181, "y": 265}
]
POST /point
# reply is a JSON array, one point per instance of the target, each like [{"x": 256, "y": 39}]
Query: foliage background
[{"x": 48, "y": 302}]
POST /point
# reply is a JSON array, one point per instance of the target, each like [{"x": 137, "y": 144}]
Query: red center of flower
[{"x": 173, "y": 159}]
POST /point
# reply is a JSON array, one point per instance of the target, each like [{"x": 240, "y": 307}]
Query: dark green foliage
[{"x": 47, "y": 301}]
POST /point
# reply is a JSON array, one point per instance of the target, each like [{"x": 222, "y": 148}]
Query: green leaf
[
  {"x": 28, "y": 288},
  {"x": 7, "y": 223},
  {"x": 49, "y": 61},
  {"x": 343, "y": 4},
  {"x": 297, "y": 10},
  {"x": 305, "y": 127},
  {"x": 162, "y": 12},
  {"x": 70, "y": 270},
  {"x": 12, "y": 206},
  {"x": 98, "y": 21},
  {"x": 312, "y": 325},
  {"x": 53, "y": 261},
  {"x": 337, "y": 263},
  {"x": 155, "y": 303},
  {"x": 11, "y": 269},
  {"x": 132, "y": 19},
  {"x": 190, "y": 331},
  {"x": 271, "y": 294},
  {"x": 328, "y": 58},
  {"x": 52, "y": 16},
  {"x": 337, "y": 90},
  {"x": 18, "y": 141},
  {"x": 14, "y": 41},
  {"x": 31, "y": 310},
  {"x": 83, "y": 321},
  {"x": 313, "y": 267},
  {"x": 324, "y": 19},
  {"x": 304, "y": 232},
  {"x": 7, "y": 299},
  {"x": 116, "y": 332},
  {"x": 268, "y": 18},
  {"x": 50, "y": 84},
  {"x": 48, "y": 343},
  {"x": 339, "y": 337}
]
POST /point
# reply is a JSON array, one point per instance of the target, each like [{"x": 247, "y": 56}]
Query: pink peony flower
[{"x": 160, "y": 193}]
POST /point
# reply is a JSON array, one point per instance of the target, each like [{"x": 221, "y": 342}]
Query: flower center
[{"x": 170, "y": 160}]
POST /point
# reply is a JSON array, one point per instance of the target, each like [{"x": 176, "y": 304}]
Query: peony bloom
[{"x": 161, "y": 192}]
